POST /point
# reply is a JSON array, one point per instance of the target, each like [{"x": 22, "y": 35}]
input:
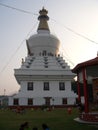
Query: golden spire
[{"x": 43, "y": 18}]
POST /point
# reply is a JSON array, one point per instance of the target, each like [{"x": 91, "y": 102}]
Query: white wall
[{"x": 38, "y": 93}]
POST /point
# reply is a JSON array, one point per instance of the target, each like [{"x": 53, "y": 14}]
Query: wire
[
  {"x": 20, "y": 10},
  {"x": 71, "y": 30},
  {"x": 67, "y": 58},
  {"x": 11, "y": 58},
  {"x": 81, "y": 35}
]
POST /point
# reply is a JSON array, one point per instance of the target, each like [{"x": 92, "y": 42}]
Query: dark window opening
[
  {"x": 30, "y": 86},
  {"x": 64, "y": 100},
  {"x": 30, "y": 101},
  {"x": 61, "y": 86},
  {"x": 16, "y": 101},
  {"x": 46, "y": 85}
]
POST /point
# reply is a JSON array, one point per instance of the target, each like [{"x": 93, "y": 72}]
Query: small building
[
  {"x": 44, "y": 76},
  {"x": 88, "y": 72}
]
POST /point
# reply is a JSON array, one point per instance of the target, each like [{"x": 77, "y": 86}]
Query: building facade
[{"x": 44, "y": 76}]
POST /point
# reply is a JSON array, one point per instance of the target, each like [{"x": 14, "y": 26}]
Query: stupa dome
[{"x": 43, "y": 43}]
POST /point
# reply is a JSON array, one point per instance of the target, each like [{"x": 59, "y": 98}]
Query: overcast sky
[{"x": 74, "y": 22}]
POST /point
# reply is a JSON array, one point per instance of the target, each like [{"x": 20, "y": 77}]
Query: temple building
[
  {"x": 87, "y": 73},
  {"x": 44, "y": 76}
]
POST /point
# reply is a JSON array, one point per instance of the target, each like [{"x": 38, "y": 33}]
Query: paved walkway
[{"x": 85, "y": 122}]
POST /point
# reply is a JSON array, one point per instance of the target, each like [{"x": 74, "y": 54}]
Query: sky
[{"x": 74, "y": 22}]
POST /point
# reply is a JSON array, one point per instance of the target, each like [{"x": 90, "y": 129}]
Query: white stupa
[{"x": 44, "y": 76}]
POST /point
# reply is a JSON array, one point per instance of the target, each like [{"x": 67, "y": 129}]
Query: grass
[{"x": 56, "y": 119}]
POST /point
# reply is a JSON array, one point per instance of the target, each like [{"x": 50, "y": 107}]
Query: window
[
  {"x": 46, "y": 85},
  {"x": 64, "y": 101},
  {"x": 61, "y": 86},
  {"x": 15, "y": 101},
  {"x": 30, "y": 86},
  {"x": 30, "y": 101}
]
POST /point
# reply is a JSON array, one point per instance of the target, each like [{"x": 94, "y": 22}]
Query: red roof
[{"x": 85, "y": 64}]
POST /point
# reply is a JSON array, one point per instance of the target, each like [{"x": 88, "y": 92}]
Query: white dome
[{"x": 43, "y": 43}]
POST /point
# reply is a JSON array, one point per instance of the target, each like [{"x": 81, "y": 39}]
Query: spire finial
[{"x": 43, "y": 18}]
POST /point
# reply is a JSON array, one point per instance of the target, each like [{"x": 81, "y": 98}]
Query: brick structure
[{"x": 89, "y": 117}]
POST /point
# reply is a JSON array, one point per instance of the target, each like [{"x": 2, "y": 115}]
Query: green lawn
[{"x": 57, "y": 119}]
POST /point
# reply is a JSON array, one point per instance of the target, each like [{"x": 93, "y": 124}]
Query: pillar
[
  {"x": 78, "y": 85},
  {"x": 85, "y": 90}
]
